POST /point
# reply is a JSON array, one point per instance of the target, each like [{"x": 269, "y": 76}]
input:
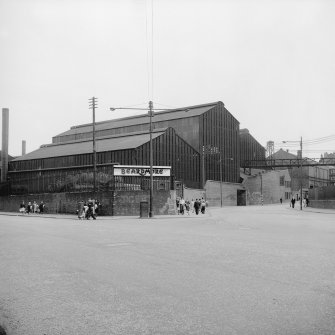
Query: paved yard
[{"x": 236, "y": 270}]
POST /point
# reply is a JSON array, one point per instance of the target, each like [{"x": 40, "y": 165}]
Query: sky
[{"x": 271, "y": 62}]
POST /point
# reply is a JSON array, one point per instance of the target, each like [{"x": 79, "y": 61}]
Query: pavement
[
  {"x": 209, "y": 212},
  {"x": 235, "y": 270}
]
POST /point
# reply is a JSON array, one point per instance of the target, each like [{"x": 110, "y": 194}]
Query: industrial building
[
  {"x": 307, "y": 177},
  {"x": 194, "y": 141},
  {"x": 200, "y": 143}
]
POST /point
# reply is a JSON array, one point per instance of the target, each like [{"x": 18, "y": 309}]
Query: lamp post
[
  {"x": 300, "y": 160},
  {"x": 151, "y": 162},
  {"x": 93, "y": 105}
]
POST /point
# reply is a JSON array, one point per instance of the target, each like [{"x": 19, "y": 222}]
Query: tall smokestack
[
  {"x": 4, "y": 152},
  {"x": 23, "y": 147}
]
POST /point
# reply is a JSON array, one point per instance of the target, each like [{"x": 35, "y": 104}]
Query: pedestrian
[
  {"x": 203, "y": 206},
  {"x": 293, "y": 202},
  {"x": 192, "y": 205},
  {"x": 197, "y": 206},
  {"x": 90, "y": 211},
  {"x": 29, "y": 207},
  {"x": 80, "y": 210},
  {"x": 281, "y": 200},
  {"x": 187, "y": 207},
  {"x": 182, "y": 206},
  {"x": 177, "y": 204},
  {"x": 22, "y": 207},
  {"x": 35, "y": 207},
  {"x": 96, "y": 207},
  {"x": 41, "y": 207},
  {"x": 85, "y": 209},
  {"x": 307, "y": 202}
]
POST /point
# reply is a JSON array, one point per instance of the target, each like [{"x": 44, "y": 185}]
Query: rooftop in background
[
  {"x": 107, "y": 143},
  {"x": 282, "y": 154}
]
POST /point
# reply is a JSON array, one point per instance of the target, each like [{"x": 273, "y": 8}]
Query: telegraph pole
[
  {"x": 221, "y": 178},
  {"x": 151, "y": 162},
  {"x": 93, "y": 105},
  {"x": 301, "y": 173}
]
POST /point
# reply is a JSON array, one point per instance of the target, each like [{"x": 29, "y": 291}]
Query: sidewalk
[
  {"x": 317, "y": 210},
  {"x": 75, "y": 217}
]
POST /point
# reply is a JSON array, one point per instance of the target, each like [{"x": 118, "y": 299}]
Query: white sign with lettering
[{"x": 142, "y": 171}]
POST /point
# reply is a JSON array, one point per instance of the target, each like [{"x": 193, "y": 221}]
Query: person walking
[
  {"x": 80, "y": 210},
  {"x": 29, "y": 207},
  {"x": 41, "y": 207},
  {"x": 192, "y": 205},
  {"x": 182, "y": 206},
  {"x": 197, "y": 206},
  {"x": 203, "y": 206},
  {"x": 22, "y": 207},
  {"x": 90, "y": 211},
  {"x": 187, "y": 207}
]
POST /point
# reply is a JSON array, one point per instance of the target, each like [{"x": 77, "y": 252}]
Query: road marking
[{"x": 121, "y": 244}]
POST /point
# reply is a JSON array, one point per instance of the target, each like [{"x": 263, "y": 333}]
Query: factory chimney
[
  {"x": 4, "y": 152},
  {"x": 23, "y": 147}
]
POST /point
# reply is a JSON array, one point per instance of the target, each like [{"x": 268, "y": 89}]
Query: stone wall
[
  {"x": 229, "y": 193},
  {"x": 113, "y": 203},
  {"x": 329, "y": 204}
]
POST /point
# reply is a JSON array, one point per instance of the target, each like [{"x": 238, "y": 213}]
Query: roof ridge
[
  {"x": 142, "y": 115},
  {"x": 158, "y": 130}
]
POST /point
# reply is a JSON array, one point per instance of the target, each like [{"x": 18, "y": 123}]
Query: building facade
[{"x": 199, "y": 143}]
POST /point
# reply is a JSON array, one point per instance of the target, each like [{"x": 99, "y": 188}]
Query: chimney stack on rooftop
[{"x": 23, "y": 147}]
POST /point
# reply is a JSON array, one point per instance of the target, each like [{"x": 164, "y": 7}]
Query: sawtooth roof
[
  {"x": 142, "y": 119},
  {"x": 112, "y": 143}
]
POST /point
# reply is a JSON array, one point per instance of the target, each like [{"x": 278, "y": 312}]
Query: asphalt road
[{"x": 236, "y": 270}]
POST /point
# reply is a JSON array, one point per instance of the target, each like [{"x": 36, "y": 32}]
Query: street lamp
[
  {"x": 300, "y": 159},
  {"x": 151, "y": 114},
  {"x": 93, "y": 105}
]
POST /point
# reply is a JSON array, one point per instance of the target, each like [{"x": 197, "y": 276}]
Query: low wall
[
  {"x": 329, "y": 204},
  {"x": 322, "y": 197},
  {"x": 120, "y": 203}
]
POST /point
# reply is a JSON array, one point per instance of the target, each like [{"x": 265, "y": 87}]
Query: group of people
[
  {"x": 193, "y": 206},
  {"x": 89, "y": 209},
  {"x": 305, "y": 202},
  {"x": 32, "y": 207}
]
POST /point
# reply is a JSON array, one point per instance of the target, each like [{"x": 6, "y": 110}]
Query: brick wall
[{"x": 117, "y": 204}]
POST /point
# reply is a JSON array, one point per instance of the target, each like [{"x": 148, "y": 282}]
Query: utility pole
[
  {"x": 221, "y": 177},
  {"x": 93, "y": 105},
  {"x": 301, "y": 173},
  {"x": 151, "y": 162}
]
